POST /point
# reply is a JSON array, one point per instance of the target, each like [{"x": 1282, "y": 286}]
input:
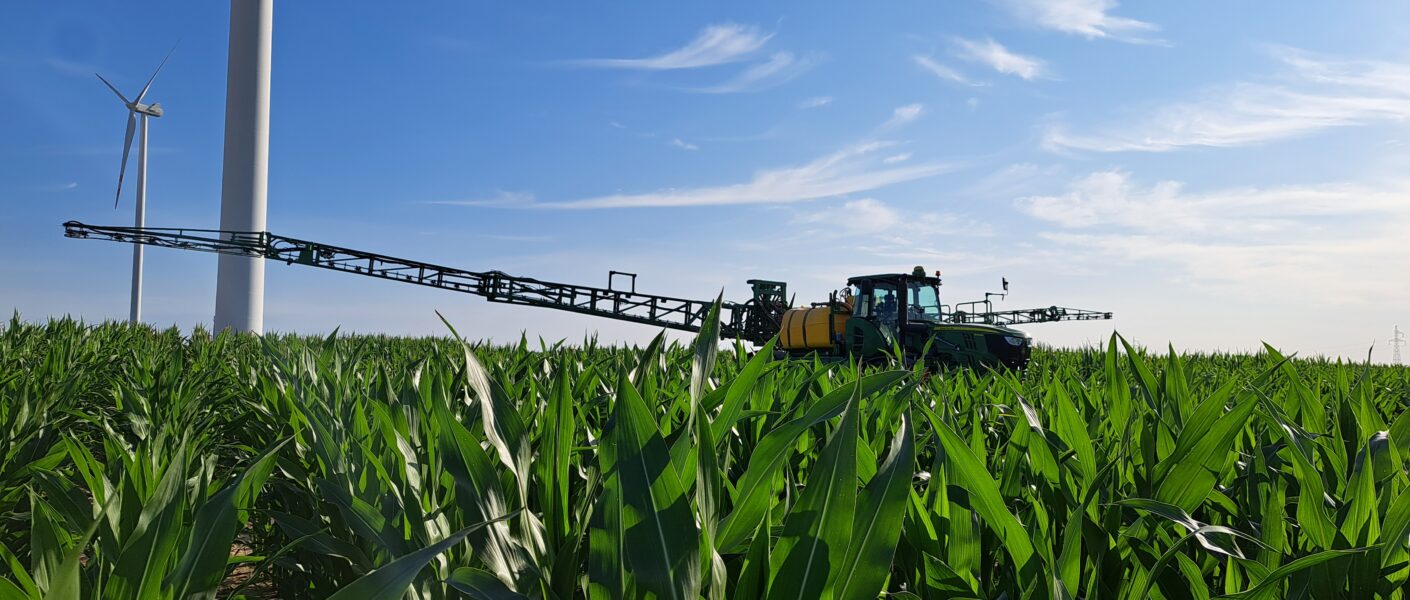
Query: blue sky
[{"x": 1217, "y": 174}]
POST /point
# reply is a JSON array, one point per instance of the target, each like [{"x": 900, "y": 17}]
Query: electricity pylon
[{"x": 1396, "y": 341}]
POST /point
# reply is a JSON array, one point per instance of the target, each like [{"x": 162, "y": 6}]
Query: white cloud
[
  {"x": 1312, "y": 95},
  {"x": 891, "y": 228},
  {"x": 714, "y": 45},
  {"x": 1333, "y": 243},
  {"x": 944, "y": 72},
  {"x": 864, "y": 216},
  {"x": 905, "y": 114},
  {"x": 683, "y": 145},
  {"x": 896, "y": 158},
  {"x": 779, "y": 68},
  {"x": 1111, "y": 198},
  {"x": 853, "y": 169},
  {"x": 815, "y": 102},
  {"x": 1088, "y": 18},
  {"x": 994, "y": 55}
]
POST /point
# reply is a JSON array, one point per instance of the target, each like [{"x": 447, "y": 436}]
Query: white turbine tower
[
  {"x": 135, "y": 107},
  {"x": 239, "y": 285}
]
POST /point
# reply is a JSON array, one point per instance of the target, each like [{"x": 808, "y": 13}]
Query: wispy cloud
[
  {"x": 994, "y": 55},
  {"x": 872, "y": 217},
  {"x": 500, "y": 199},
  {"x": 896, "y": 158},
  {"x": 778, "y": 69},
  {"x": 815, "y": 102},
  {"x": 683, "y": 145},
  {"x": 1336, "y": 241},
  {"x": 55, "y": 187},
  {"x": 945, "y": 71},
  {"x": 714, "y": 45},
  {"x": 1088, "y": 18},
  {"x": 905, "y": 114},
  {"x": 851, "y": 170},
  {"x": 1312, "y": 94}
]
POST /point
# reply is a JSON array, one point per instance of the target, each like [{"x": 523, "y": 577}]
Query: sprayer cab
[{"x": 904, "y": 310}]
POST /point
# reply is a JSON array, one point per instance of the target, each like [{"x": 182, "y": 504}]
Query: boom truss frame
[{"x": 496, "y": 286}]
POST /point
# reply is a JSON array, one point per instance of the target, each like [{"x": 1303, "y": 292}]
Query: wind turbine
[{"x": 134, "y": 108}]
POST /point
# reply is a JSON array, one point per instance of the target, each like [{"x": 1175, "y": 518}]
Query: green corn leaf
[
  {"x": 1194, "y": 474},
  {"x": 391, "y": 581},
  {"x": 10, "y": 591},
  {"x": 1311, "y": 505},
  {"x": 970, "y": 473},
  {"x": 47, "y": 539},
  {"x": 756, "y": 486},
  {"x": 1271, "y": 584},
  {"x": 203, "y": 561},
  {"x": 739, "y": 389},
  {"x": 1195, "y": 529},
  {"x": 661, "y": 539},
  {"x": 709, "y": 490},
  {"x": 1396, "y": 532},
  {"x": 66, "y": 582},
  {"x": 556, "y": 446},
  {"x": 503, "y": 429},
  {"x": 707, "y": 345},
  {"x": 809, "y": 554},
  {"x": 318, "y": 539},
  {"x": 607, "y": 570},
  {"x": 145, "y": 558},
  {"x": 19, "y": 574},
  {"x": 881, "y": 508},
  {"x": 480, "y": 496},
  {"x": 753, "y": 581},
  {"x": 1145, "y": 380},
  {"x": 481, "y": 585}
]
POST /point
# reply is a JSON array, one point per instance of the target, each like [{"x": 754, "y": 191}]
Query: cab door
[{"x": 876, "y": 319}]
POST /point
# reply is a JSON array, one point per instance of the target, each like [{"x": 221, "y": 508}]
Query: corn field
[{"x": 144, "y": 464}]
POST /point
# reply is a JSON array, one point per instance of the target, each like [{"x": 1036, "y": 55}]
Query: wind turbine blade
[
  {"x": 126, "y": 148},
  {"x": 110, "y": 86},
  {"x": 154, "y": 75}
]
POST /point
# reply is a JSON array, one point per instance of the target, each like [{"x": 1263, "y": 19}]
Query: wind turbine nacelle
[{"x": 152, "y": 110}]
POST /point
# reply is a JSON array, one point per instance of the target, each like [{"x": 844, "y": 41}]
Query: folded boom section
[{"x": 1028, "y": 315}]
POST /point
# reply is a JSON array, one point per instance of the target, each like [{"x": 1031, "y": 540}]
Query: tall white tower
[{"x": 239, "y": 286}]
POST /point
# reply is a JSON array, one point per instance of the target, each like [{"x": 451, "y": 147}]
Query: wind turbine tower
[
  {"x": 239, "y": 287},
  {"x": 1396, "y": 341},
  {"x": 135, "y": 108}
]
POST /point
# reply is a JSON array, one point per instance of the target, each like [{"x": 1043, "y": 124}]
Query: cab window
[
  {"x": 886, "y": 305},
  {"x": 861, "y": 302},
  {"x": 922, "y": 302}
]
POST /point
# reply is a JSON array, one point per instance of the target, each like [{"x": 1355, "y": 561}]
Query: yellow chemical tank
[{"x": 811, "y": 328}]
